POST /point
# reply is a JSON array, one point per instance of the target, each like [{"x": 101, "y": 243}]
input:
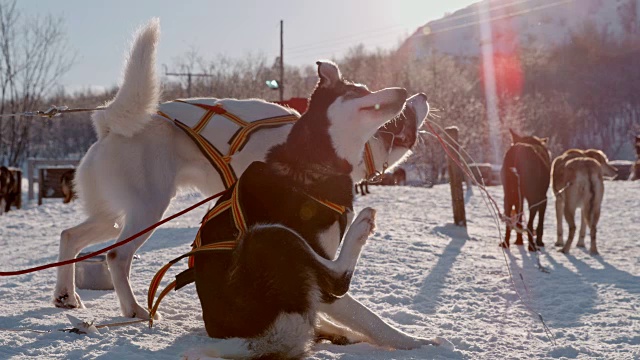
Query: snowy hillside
[
  {"x": 418, "y": 272},
  {"x": 527, "y": 23}
]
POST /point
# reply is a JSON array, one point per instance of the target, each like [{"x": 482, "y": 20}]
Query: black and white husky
[
  {"x": 129, "y": 176},
  {"x": 263, "y": 297}
]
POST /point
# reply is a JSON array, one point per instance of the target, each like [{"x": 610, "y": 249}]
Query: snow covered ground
[{"x": 418, "y": 272}]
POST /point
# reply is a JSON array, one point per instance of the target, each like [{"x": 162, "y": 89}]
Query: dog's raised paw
[{"x": 365, "y": 223}]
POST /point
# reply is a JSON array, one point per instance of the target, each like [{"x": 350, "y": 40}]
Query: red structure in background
[{"x": 298, "y": 104}]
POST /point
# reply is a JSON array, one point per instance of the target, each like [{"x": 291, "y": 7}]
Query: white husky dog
[{"x": 129, "y": 176}]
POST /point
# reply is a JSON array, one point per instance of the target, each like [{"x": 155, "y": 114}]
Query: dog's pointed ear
[
  {"x": 544, "y": 140},
  {"x": 515, "y": 138},
  {"x": 328, "y": 73}
]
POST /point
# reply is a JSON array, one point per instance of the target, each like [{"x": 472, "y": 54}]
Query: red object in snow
[{"x": 298, "y": 104}]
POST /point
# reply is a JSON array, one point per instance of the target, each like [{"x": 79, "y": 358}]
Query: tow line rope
[
  {"x": 120, "y": 243},
  {"x": 495, "y": 210},
  {"x": 52, "y": 111}
]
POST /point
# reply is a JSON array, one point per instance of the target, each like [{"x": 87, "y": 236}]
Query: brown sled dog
[
  {"x": 525, "y": 175},
  {"x": 578, "y": 183},
  {"x": 66, "y": 183},
  {"x": 8, "y": 189}
]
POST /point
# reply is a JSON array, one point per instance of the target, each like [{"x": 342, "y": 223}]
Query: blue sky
[{"x": 99, "y": 31}]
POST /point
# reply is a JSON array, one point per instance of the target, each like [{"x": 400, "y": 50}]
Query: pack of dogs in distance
[{"x": 310, "y": 164}]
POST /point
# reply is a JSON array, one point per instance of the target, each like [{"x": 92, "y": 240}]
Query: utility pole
[
  {"x": 281, "y": 87},
  {"x": 189, "y": 75}
]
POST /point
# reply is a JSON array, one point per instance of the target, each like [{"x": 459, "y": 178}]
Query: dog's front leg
[{"x": 357, "y": 317}]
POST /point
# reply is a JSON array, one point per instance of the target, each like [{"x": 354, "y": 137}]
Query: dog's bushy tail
[
  {"x": 138, "y": 96},
  {"x": 596, "y": 189}
]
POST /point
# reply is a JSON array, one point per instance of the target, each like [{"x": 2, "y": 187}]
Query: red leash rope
[{"x": 125, "y": 241}]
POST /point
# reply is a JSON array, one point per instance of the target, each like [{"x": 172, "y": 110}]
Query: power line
[
  {"x": 301, "y": 53},
  {"x": 321, "y": 53},
  {"x": 513, "y": 14},
  {"x": 342, "y": 38},
  {"x": 367, "y": 34},
  {"x": 478, "y": 12},
  {"x": 350, "y": 43},
  {"x": 189, "y": 75}
]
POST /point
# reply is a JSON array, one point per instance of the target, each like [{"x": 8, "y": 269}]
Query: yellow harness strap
[{"x": 239, "y": 219}]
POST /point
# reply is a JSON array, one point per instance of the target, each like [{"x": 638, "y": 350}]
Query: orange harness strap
[
  {"x": 219, "y": 161},
  {"x": 369, "y": 164},
  {"x": 232, "y": 204},
  {"x": 238, "y": 140},
  {"x": 239, "y": 219},
  {"x": 219, "y": 110}
]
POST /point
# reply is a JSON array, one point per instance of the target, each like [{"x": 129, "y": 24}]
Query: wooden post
[
  {"x": 30, "y": 175},
  {"x": 40, "y": 187},
  {"x": 455, "y": 179}
]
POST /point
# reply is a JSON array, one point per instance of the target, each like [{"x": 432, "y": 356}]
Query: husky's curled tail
[{"x": 138, "y": 96}]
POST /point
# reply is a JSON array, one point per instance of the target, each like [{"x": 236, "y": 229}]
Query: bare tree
[{"x": 33, "y": 57}]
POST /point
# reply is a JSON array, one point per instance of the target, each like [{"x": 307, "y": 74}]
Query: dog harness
[
  {"x": 194, "y": 127},
  {"x": 231, "y": 205}
]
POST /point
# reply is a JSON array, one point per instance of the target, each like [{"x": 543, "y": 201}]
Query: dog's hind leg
[
  {"x": 593, "y": 229},
  {"x": 507, "y": 212},
  {"x": 119, "y": 259},
  {"x": 569, "y": 215},
  {"x": 559, "y": 219},
  {"x": 352, "y": 314},
  {"x": 583, "y": 228},
  {"x": 542, "y": 208},
  {"x": 336, "y": 334},
  {"x": 593, "y": 216},
  {"x": 532, "y": 216},
  {"x": 95, "y": 229},
  {"x": 520, "y": 214},
  {"x": 357, "y": 317}
]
